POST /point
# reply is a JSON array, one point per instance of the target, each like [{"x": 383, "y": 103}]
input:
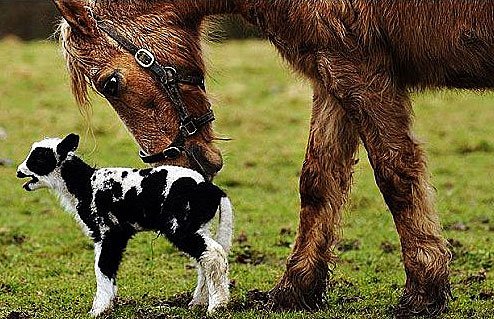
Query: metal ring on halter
[
  {"x": 144, "y": 58},
  {"x": 168, "y": 153}
]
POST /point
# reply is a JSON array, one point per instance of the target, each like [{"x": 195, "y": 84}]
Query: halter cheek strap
[{"x": 169, "y": 79}]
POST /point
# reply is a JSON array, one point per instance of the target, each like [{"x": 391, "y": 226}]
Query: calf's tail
[{"x": 225, "y": 227}]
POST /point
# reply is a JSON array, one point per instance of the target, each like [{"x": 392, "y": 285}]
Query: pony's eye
[{"x": 111, "y": 86}]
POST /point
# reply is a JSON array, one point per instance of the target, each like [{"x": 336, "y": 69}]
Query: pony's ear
[
  {"x": 68, "y": 144},
  {"x": 78, "y": 15}
]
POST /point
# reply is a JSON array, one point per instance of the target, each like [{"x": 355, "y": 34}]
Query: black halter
[{"x": 169, "y": 78}]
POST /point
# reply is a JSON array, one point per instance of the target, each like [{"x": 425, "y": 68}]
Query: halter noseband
[{"x": 169, "y": 78}]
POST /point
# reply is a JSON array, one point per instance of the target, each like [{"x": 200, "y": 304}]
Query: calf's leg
[
  {"x": 212, "y": 267},
  {"x": 201, "y": 296},
  {"x": 214, "y": 264},
  {"x": 108, "y": 255}
]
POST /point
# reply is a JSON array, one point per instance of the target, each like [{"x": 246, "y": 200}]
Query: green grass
[{"x": 46, "y": 262}]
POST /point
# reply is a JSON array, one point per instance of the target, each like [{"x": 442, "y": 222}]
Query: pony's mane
[{"x": 74, "y": 62}]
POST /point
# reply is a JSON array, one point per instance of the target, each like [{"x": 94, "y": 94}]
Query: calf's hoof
[{"x": 213, "y": 308}]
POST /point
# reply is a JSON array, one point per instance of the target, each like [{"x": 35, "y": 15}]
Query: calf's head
[{"x": 44, "y": 160}]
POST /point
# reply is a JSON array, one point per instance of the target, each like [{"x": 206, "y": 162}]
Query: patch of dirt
[
  {"x": 476, "y": 278},
  {"x": 18, "y": 315},
  {"x": 457, "y": 249},
  {"x": 455, "y": 243},
  {"x": 6, "y": 162},
  {"x": 6, "y": 288},
  {"x": 232, "y": 183},
  {"x": 484, "y": 220},
  {"x": 180, "y": 300},
  {"x": 348, "y": 244},
  {"x": 486, "y": 295},
  {"x": 241, "y": 238},
  {"x": 158, "y": 306},
  {"x": 388, "y": 247},
  {"x": 480, "y": 147},
  {"x": 283, "y": 243},
  {"x": 145, "y": 314},
  {"x": 286, "y": 231},
  {"x": 254, "y": 300},
  {"x": 458, "y": 226},
  {"x": 247, "y": 255},
  {"x": 349, "y": 299},
  {"x": 3, "y": 134},
  {"x": 285, "y": 238},
  {"x": 8, "y": 237}
]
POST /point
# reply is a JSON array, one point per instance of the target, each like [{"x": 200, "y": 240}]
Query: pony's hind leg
[
  {"x": 324, "y": 184},
  {"x": 400, "y": 173},
  {"x": 381, "y": 112}
]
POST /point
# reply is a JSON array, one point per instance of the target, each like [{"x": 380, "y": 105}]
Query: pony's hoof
[
  {"x": 288, "y": 296},
  {"x": 432, "y": 303}
]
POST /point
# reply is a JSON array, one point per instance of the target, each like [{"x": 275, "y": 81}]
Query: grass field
[{"x": 46, "y": 264}]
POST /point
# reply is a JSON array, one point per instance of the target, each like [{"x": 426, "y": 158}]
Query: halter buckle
[
  {"x": 170, "y": 75},
  {"x": 188, "y": 128},
  {"x": 144, "y": 58},
  {"x": 172, "y": 152},
  {"x": 169, "y": 153}
]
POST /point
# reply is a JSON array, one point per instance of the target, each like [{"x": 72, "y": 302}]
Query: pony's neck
[
  {"x": 203, "y": 8},
  {"x": 220, "y": 7}
]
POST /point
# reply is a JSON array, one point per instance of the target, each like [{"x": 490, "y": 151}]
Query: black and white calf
[{"x": 113, "y": 204}]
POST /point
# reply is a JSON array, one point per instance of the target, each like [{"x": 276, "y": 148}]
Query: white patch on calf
[
  {"x": 225, "y": 228},
  {"x": 175, "y": 172},
  {"x": 174, "y": 225},
  {"x": 68, "y": 201},
  {"x": 103, "y": 175}
]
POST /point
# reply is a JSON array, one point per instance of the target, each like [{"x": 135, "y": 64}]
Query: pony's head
[{"x": 157, "y": 92}]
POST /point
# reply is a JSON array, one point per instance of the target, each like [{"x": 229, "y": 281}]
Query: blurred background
[{"x": 35, "y": 19}]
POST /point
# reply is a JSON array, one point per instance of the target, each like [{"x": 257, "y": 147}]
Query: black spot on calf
[{"x": 42, "y": 161}]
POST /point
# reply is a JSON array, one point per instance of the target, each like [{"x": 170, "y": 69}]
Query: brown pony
[{"x": 362, "y": 58}]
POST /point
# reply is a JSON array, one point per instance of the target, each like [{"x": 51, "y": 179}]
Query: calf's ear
[
  {"x": 68, "y": 144},
  {"x": 78, "y": 15}
]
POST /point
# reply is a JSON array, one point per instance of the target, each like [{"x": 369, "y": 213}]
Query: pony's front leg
[
  {"x": 324, "y": 186},
  {"x": 108, "y": 254}
]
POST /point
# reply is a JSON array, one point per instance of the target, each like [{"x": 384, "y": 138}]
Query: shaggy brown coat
[{"x": 362, "y": 58}]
